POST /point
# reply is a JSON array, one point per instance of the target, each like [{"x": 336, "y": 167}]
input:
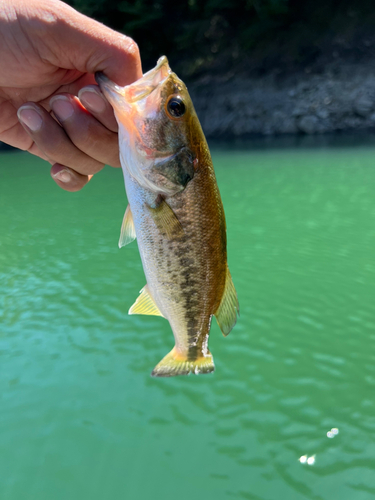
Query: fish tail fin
[{"x": 174, "y": 364}]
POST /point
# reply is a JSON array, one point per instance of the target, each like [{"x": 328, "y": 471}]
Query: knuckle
[
  {"x": 101, "y": 147},
  {"x": 131, "y": 51},
  {"x": 132, "y": 48},
  {"x": 84, "y": 164}
]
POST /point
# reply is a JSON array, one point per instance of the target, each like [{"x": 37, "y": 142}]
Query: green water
[{"x": 80, "y": 417}]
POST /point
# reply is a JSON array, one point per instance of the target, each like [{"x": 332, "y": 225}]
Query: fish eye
[{"x": 176, "y": 106}]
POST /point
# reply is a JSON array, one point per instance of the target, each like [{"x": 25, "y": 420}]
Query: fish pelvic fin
[
  {"x": 174, "y": 364},
  {"x": 127, "y": 234},
  {"x": 145, "y": 304},
  {"x": 226, "y": 314}
]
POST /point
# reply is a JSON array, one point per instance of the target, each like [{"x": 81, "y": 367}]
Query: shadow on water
[
  {"x": 357, "y": 139},
  {"x": 5, "y": 147}
]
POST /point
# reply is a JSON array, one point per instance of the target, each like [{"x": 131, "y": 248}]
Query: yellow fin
[
  {"x": 145, "y": 304},
  {"x": 226, "y": 314},
  {"x": 127, "y": 229},
  {"x": 166, "y": 220},
  {"x": 174, "y": 364}
]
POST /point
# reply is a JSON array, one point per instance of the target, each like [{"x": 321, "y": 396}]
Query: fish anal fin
[
  {"x": 174, "y": 364},
  {"x": 145, "y": 304},
  {"x": 226, "y": 314},
  {"x": 127, "y": 234},
  {"x": 166, "y": 220}
]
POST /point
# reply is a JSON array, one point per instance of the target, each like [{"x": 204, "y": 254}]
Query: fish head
[{"x": 156, "y": 117}]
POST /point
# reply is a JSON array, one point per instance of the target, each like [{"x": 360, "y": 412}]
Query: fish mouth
[{"x": 137, "y": 90}]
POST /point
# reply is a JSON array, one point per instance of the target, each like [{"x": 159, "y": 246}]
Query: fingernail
[
  {"x": 63, "y": 176},
  {"x": 92, "y": 100},
  {"x": 30, "y": 117},
  {"x": 62, "y": 107}
]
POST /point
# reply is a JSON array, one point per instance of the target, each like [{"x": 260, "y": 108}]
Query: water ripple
[{"x": 80, "y": 416}]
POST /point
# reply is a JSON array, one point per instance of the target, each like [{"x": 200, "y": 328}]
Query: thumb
[{"x": 81, "y": 43}]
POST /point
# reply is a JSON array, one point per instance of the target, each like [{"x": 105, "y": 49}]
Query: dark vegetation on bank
[
  {"x": 260, "y": 67},
  {"x": 242, "y": 37}
]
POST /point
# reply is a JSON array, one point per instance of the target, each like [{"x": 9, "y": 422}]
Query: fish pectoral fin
[
  {"x": 145, "y": 304},
  {"x": 174, "y": 364},
  {"x": 127, "y": 234},
  {"x": 166, "y": 220},
  {"x": 226, "y": 314}
]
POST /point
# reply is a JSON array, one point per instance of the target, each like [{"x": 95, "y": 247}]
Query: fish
[{"x": 176, "y": 214}]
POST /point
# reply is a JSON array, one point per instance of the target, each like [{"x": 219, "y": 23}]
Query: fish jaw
[{"x": 122, "y": 97}]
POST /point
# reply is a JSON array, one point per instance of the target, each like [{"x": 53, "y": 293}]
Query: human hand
[{"x": 48, "y": 55}]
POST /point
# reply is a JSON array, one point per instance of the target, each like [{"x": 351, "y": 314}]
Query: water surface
[{"x": 80, "y": 417}]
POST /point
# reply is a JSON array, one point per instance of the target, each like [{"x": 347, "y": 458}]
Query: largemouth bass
[{"x": 176, "y": 214}]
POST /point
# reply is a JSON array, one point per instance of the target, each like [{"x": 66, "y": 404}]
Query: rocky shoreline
[
  {"x": 336, "y": 99},
  {"x": 339, "y": 98}
]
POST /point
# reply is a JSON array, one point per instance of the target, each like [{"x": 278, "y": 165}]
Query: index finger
[{"x": 95, "y": 102}]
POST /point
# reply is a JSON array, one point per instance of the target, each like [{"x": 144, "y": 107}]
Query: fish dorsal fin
[
  {"x": 145, "y": 304},
  {"x": 226, "y": 314},
  {"x": 127, "y": 234},
  {"x": 166, "y": 220}
]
